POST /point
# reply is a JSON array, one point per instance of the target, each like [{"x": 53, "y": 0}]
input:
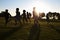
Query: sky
[{"x": 41, "y": 5}]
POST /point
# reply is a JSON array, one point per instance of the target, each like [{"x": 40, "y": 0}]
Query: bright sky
[{"x": 41, "y": 5}]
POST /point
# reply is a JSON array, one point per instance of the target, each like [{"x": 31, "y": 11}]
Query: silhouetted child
[
  {"x": 47, "y": 18},
  {"x": 28, "y": 16},
  {"x": 18, "y": 18},
  {"x": 24, "y": 16},
  {"x": 7, "y": 15}
]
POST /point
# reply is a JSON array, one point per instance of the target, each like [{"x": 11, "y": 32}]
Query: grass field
[{"x": 48, "y": 31}]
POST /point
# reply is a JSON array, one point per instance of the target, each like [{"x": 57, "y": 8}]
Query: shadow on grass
[
  {"x": 34, "y": 32},
  {"x": 6, "y": 34}
]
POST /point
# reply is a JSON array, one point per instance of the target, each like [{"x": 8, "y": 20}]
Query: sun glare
[{"x": 41, "y": 7}]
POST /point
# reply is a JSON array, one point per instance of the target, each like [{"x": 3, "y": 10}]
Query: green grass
[{"x": 21, "y": 32}]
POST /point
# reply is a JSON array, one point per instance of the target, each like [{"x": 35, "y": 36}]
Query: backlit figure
[{"x": 35, "y": 16}]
